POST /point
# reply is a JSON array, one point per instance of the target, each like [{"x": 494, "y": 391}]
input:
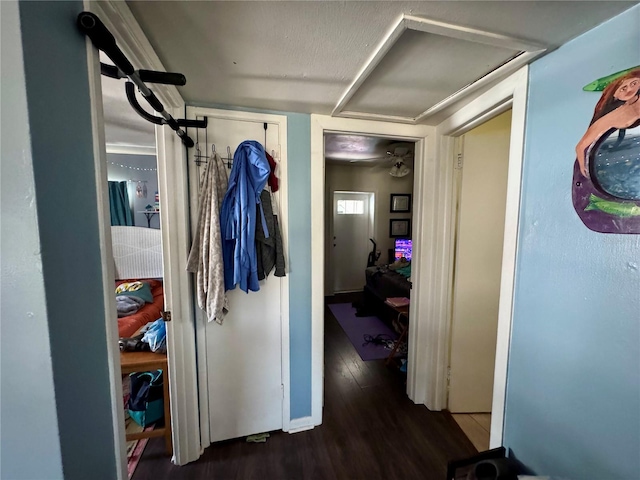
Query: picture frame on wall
[
  {"x": 399, "y": 227},
  {"x": 400, "y": 203}
]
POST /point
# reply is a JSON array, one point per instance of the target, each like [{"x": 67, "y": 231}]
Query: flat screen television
[{"x": 402, "y": 248}]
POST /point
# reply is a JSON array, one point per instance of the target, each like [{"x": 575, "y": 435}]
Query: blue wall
[
  {"x": 299, "y": 177},
  {"x": 28, "y": 415},
  {"x": 573, "y": 392},
  {"x": 123, "y": 167},
  {"x": 57, "y": 86}
]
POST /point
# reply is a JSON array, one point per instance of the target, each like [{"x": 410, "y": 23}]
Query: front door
[{"x": 350, "y": 245}]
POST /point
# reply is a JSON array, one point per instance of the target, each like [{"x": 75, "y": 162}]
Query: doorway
[
  {"x": 135, "y": 231},
  {"x": 171, "y": 177},
  {"x": 320, "y": 125},
  {"x": 510, "y": 93},
  {"x": 481, "y": 172},
  {"x": 369, "y": 185}
]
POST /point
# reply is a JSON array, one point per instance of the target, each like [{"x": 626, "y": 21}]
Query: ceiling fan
[{"x": 398, "y": 155}]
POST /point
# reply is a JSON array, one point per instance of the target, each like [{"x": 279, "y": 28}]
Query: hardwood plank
[
  {"x": 158, "y": 432},
  {"x": 370, "y": 430},
  {"x": 484, "y": 419},
  {"x": 478, "y": 435}
]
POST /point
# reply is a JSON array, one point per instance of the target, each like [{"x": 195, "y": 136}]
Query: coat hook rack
[
  {"x": 229, "y": 158},
  {"x": 104, "y": 41},
  {"x": 200, "y": 158}
]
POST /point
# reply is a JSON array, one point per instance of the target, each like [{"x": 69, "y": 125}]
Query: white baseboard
[{"x": 301, "y": 424}]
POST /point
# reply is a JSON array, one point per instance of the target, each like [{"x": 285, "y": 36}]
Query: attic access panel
[
  {"x": 423, "y": 66},
  {"x": 422, "y": 69}
]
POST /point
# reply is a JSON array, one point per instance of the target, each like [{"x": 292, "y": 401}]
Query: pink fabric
[{"x": 272, "y": 180}]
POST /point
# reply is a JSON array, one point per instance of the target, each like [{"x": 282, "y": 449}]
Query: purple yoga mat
[{"x": 357, "y": 327}]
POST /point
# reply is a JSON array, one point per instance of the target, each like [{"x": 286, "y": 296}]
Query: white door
[
  {"x": 478, "y": 265},
  {"x": 244, "y": 365},
  {"x": 352, "y": 228}
]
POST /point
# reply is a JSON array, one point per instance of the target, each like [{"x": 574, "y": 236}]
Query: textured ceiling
[
  {"x": 302, "y": 56},
  {"x": 363, "y": 150}
]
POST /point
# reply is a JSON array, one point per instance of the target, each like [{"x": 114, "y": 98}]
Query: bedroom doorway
[
  {"x": 509, "y": 94},
  {"x": 351, "y": 229},
  {"x": 180, "y": 362},
  {"x": 481, "y": 171},
  {"x": 136, "y": 240}
]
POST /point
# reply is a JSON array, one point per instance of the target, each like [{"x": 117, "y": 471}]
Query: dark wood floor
[{"x": 370, "y": 430}]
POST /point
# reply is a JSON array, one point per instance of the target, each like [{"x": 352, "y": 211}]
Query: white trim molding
[
  {"x": 119, "y": 149},
  {"x": 510, "y": 93},
  {"x": 106, "y": 257},
  {"x": 422, "y": 135},
  {"x": 181, "y": 341},
  {"x": 302, "y": 424},
  {"x": 528, "y": 51}
]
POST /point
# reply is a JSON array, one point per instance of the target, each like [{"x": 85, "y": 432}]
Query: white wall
[
  {"x": 30, "y": 443},
  {"x": 365, "y": 179}
]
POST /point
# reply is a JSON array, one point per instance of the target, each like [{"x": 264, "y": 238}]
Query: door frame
[
  {"x": 175, "y": 234},
  {"x": 370, "y": 233},
  {"x": 200, "y": 321},
  {"x": 422, "y": 135},
  {"x": 509, "y": 93}
]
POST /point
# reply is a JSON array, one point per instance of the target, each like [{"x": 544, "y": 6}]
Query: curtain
[{"x": 119, "y": 204}]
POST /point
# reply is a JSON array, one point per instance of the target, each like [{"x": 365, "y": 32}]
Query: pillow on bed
[{"x": 141, "y": 290}]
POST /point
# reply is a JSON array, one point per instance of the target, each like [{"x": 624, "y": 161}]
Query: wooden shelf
[{"x": 143, "y": 362}]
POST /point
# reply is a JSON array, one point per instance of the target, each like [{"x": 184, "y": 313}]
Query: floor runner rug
[
  {"x": 135, "y": 448},
  {"x": 358, "y": 329}
]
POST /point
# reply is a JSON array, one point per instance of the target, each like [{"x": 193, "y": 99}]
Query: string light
[{"x": 134, "y": 168}]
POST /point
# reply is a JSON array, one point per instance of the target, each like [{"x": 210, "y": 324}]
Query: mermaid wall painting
[{"x": 606, "y": 173}]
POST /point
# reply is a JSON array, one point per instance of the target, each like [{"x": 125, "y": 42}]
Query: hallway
[{"x": 371, "y": 430}]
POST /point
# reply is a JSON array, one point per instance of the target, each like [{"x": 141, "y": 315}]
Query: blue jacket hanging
[{"x": 238, "y": 216}]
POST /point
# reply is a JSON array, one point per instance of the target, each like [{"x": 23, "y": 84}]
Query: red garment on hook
[{"x": 273, "y": 180}]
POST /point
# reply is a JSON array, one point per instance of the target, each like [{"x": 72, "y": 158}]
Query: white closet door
[{"x": 244, "y": 354}]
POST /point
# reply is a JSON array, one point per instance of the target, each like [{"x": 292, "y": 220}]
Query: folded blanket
[
  {"x": 404, "y": 271},
  {"x": 135, "y": 289},
  {"x": 128, "y": 305},
  {"x": 400, "y": 263}
]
